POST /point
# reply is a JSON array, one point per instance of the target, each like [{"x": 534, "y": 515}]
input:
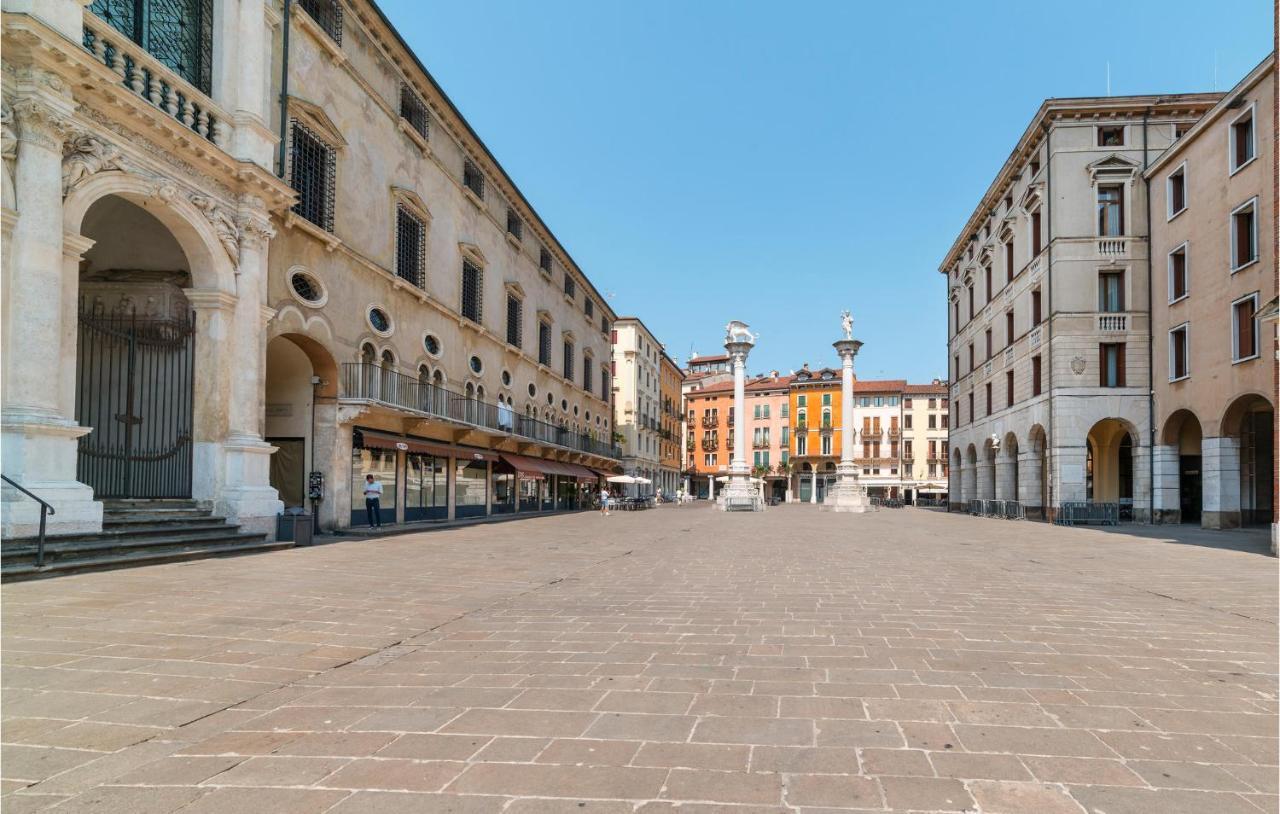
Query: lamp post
[{"x": 848, "y": 495}]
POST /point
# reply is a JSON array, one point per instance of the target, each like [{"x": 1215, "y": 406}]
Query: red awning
[
  {"x": 580, "y": 472},
  {"x": 528, "y": 468}
]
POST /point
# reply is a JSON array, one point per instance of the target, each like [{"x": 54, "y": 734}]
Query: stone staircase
[{"x": 134, "y": 532}]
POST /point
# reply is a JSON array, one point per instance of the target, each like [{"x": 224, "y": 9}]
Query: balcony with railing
[
  {"x": 710, "y": 421},
  {"x": 167, "y": 63},
  {"x": 710, "y": 445},
  {"x": 1113, "y": 323},
  {"x": 895, "y": 432},
  {"x": 871, "y": 432},
  {"x": 362, "y": 381}
]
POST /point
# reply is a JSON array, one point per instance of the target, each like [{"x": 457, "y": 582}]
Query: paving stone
[{"x": 791, "y": 660}]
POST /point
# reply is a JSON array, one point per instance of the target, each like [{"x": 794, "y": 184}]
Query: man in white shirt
[{"x": 373, "y": 501}]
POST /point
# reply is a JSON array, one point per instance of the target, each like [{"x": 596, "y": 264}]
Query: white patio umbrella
[{"x": 620, "y": 479}]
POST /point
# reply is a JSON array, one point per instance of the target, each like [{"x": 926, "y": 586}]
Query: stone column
[
  {"x": 39, "y": 431},
  {"x": 1220, "y": 476},
  {"x": 738, "y": 344},
  {"x": 969, "y": 483},
  {"x": 1068, "y": 474},
  {"x": 1167, "y": 489},
  {"x": 1029, "y": 491},
  {"x": 848, "y": 495},
  {"x": 247, "y": 497},
  {"x": 1142, "y": 505},
  {"x": 985, "y": 480}
]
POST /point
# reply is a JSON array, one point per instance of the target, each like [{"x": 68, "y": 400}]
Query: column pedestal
[{"x": 848, "y": 495}]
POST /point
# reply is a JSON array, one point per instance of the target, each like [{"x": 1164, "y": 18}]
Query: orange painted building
[
  {"x": 815, "y": 432},
  {"x": 708, "y": 435}
]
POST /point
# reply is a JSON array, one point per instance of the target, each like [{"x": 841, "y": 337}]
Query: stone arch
[
  {"x": 298, "y": 419},
  {"x": 1007, "y": 468},
  {"x": 1109, "y": 461},
  {"x": 1179, "y": 485},
  {"x": 1246, "y": 446},
  {"x": 986, "y": 474}
]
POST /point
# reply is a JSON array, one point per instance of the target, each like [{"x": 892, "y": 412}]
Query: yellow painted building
[{"x": 815, "y": 432}]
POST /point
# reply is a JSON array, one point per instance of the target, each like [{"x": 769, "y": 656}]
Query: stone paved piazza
[{"x": 678, "y": 659}]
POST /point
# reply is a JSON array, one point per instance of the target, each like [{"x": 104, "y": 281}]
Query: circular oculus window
[
  {"x": 431, "y": 343},
  {"x": 306, "y": 288},
  {"x": 477, "y": 366},
  {"x": 379, "y": 321}
]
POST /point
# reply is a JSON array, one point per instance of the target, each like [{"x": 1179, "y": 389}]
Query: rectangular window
[
  {"x": 971, "y": 413},
  {"x": 1111, "y": 364},
  {"x": 826, "y": 399},
  {"x": 784, "y": 410},
  {"x": 826, "y": 445},
  {"x": 1037, "y": 241},
  {"x": 906, "y": 421},
  {"x": 411, "y": 246},
  {"x": 800, "y": 400},
  {"x": 1176, "y": 191},
  {"x": 589, "y": 307},
  {"x": 544, "y": 260},
  {"x": 515, "y": 227},
  {"x": 604, "y": 385},
  {"x": 515, "y": 316},
  {"x": 1178, "y": 273},
  {"x": 312, "y": 168},
  {"x": 570, "y": 286},
  {"x": 971, "y": 358},
  {"x": 957, "y": 360},
  {"x": 472, "y": 178},
  {"x": 802, "y": 444},
  {"x": 1035, "y": 167},
  {"x": 766, "y": 411},
  {"x": 1008, "y": 329},
  {"x": 1008, "y": 262},
  {"x": 544, "y": 344},
  {"x": 1178, "y": 352},
  {"x": 413, "y": 110},
  {"x": 988, "y": 398},
  {"x": 1035, "y": 376},
  {"x": 987, "y": 336},
  {"x": 986, "y": 274},
  {"x": 1244, "y": 328},
  {"x": 1111, "y": 136},
  {"x": 1111, "y": 292},
  {"x": 1008, "y": 388},
  {"x": 972, "y": 310},
  {"x": 1036, "y": 314},
  {"x": 568, "y": 360},
  {"x": 327, "y": 14},
  {"x": 1244, "y": 235},
  {"x": 1242, "y": 140},
  {"x": 586, "y": 373},
  {"x": 1110, "y": 210},
  {"x": 933, "y": 422},
  {"x": 472, "y": 291}
]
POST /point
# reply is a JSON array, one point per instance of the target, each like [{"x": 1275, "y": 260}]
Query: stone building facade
[
  {"x": 345, "y": 284},
  {"x": 925, "y": 457},
  {"x": 671, "y": 422},
  {"x": 1214, "y": 270},
  {"x": 637, "y": 390},
  {"x": 1048, "y": 312}
]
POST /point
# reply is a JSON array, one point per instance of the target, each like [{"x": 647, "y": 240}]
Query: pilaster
[{"x": 1220, "y": 477}]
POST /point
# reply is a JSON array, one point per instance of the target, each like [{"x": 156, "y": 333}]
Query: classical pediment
[
  {"x": 1112, "y": 167},
  {"x": 314, "y": 117}
]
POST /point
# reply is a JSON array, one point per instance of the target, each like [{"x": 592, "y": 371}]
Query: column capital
[
  {"x": 847, "y": 348},
  {"x": 41, "y": 122}
]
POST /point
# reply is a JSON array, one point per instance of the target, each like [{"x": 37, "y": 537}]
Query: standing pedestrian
[
  {"x": 604, "y": 500},
  {"x": 373, "y": 501}
]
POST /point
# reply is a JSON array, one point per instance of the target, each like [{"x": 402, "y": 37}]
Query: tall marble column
[
  {"x": 848, "y": 495},
  {"x": 39, "y": 430},
  {"x": 738, "y": 491}
]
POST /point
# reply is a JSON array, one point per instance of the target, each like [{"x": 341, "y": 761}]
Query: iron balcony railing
[{"x": 369, "y": 382}]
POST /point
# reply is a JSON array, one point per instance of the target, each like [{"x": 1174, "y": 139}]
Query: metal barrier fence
[
  {"x": 931, "y": 502},
  {"x": 1003, "y": 509},
  {"x": 1081, "y": 513}
]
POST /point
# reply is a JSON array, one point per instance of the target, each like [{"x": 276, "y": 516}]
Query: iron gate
[{"x": 134, "y": 388}]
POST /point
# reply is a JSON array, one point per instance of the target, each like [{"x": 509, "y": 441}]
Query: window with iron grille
[
  {"x": 570, "y": 285},
  {"x": 411, "y": 246},
  {"x": 544, "y": 343},
  {"x": 311, "y": 173},
  {"x": 568, "y": 360},
  {"x": 586, "y": 373},
  {"x": 515, "y": 227},
  {"x": 544, "y": 260},
  {"x": 327, "y": 14},
  {"x": 604, "y": 326},
  {"x": 515, "y": 320},
  {"x": 413, "y": 110},
  {"x": 589, "y": 308},
  {"x": 472, "y": 290},
  {"x": 179, "y": 33},
  {"x": 472, "y": 178}
]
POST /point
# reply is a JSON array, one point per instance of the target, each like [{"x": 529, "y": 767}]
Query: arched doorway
[
  {"x": 1183, "y": 438},
  {"x": 955, "y": 483},
  {"x": 1007, "y": 469},
  {"x": 301, "y": 374},
  {"x": 806, "y": 485},
  {"x": 1033, "y": 476},
  {"x": 1109, "y": 464},
  {"x": 1248, "y": 425},
  {"x": 135, "y": 357},
  {"x": 970, "y": 483}
]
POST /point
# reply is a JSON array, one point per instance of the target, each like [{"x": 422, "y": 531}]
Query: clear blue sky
[{"x": 777, "y": 162}]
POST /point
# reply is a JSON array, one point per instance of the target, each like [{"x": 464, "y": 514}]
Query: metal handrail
[
  {"x": 362, "y": 380},
  {"x": 46, "y": 509}
]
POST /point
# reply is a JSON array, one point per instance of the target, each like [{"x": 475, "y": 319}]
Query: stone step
[
  {"x": 17, "y": 571},
  {"x": 59, "y": 549}
]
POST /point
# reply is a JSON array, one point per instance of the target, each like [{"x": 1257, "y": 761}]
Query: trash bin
[{"x": 295, "y": 526}]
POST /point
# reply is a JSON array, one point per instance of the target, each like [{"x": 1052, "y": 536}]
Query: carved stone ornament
[
  {"x": 83, "y": 156},
  {"x": 8, "y": 138},
  {"x": 256, "y": 231},
  {"x": 225, "y": 228},
  {"x": 1077, "y": 365},
  {"x": 39, "y": 123}
]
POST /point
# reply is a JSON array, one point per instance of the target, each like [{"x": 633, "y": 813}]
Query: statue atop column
[{"x": 846, "y": 322}]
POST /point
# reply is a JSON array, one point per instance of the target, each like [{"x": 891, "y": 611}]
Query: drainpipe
[
  {"x": 1051, "y": 435},
  {"x": 284, "y": 91},
  {"x": 1151, "y": 381}
]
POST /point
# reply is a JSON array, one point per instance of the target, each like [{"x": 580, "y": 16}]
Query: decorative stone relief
[
  {"x": 1077, "y": 365},
  {"x": 39, "y": 124},
  {"x": 84, "y": 156},
  {"x": 8, "y": 152},
  {"x": 226, "y": 229}
]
